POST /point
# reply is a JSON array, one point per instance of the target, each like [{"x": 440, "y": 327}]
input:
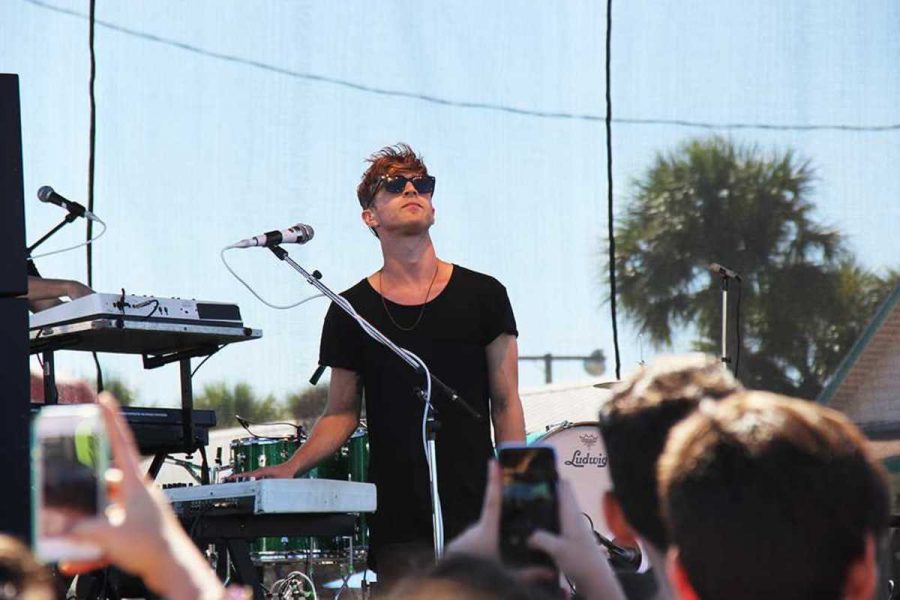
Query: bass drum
[{"x": 581, "y": 460}]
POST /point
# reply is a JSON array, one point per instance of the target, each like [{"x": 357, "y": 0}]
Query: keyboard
[
  {"x": 139, "y": 308},
  {"x": 161, "y": 429},
  {"x": 273, "y": 496}
]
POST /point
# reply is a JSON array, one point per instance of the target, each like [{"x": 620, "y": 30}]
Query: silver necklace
[{"x": 421, "y": 311}]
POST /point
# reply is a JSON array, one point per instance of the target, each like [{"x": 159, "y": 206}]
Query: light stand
[{"x": 430, "y": 422}]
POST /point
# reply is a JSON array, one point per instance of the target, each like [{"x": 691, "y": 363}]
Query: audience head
[
  {"x": 771, "y": 497},
  {"x": 20, "y": 574},
  {"x": 635, "y": 423},
  {"x": 465, "y": 576}
]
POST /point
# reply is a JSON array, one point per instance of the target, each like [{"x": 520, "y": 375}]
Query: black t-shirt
[
  {"x": 32, "y": 269},
  {"x": 456, "y": 326}
]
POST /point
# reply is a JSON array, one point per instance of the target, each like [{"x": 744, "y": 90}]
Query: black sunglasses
[{"x": 424, "y": 184}]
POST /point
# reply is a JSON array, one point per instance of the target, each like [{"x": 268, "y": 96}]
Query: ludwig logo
[{"x": 580, "y": 460}]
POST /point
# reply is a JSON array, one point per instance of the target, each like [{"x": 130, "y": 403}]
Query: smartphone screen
[
  {"x": 69, "y": 460},
  {"x": 529, "y": 502}
]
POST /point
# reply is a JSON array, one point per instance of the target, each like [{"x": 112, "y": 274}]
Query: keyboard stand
[
  {"x": 158, "y": 342},
  {"x": 233, "y": 531}
]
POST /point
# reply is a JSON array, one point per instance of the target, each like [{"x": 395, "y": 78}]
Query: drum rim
[
  {"x": 566, "y": 425},
  {"x": 261, "y": 441}
]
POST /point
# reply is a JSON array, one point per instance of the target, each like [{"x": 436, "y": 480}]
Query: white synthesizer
[{"x": 129, "y": 307}]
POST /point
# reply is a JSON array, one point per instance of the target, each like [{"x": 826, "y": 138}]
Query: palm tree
[{"x": 804, "y": 299}]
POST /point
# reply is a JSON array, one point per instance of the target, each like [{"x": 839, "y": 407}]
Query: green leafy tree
[
  {"x": 307, "y": 404},
  {"x": 238, "y": 400},
  {"x": 804, "y": 300},
  {"x": 118, "y": 388}
]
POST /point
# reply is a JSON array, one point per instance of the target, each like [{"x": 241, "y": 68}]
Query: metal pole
[{"x": 725, "y": 358}]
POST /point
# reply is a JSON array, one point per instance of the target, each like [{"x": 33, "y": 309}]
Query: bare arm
[
  {"x": 339, "y": 420},
  {"x": 503, "y": 378},
  {"x": 337, "y": 423},
  {"x": 45, "y": 293}
]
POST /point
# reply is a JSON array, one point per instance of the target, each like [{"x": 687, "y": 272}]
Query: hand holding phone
[
  {"x": 529, "y": 502},
  {"x": 70, "y": 455}
]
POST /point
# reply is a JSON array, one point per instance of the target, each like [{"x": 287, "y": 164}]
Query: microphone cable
[
  {"x": 252, "y": 291},
  {"x": 78, "y": 245}
]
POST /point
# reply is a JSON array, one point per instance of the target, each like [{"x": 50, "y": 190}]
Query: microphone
[
  {"x": 622, "y": 556},
  {"x": 298, "y": 234},
  {"x": 47, "y": 194},
  {"x": 724, "y": 271}
]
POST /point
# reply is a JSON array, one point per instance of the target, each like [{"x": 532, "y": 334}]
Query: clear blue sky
[{"x": 196, "y": 151}]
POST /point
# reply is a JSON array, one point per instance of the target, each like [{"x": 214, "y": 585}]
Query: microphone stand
[
  {"x": 726, "y": 276},
  {"x": 431, "y": 424},
  {"x": 66, "y": 220}
]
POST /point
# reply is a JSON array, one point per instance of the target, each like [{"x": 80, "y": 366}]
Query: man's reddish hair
[{"x": 387, "y": 161}]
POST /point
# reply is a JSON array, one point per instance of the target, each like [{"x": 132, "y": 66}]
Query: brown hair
[
  {"x": 770, "y": 497},
  {"x": 636, "y": 421},
  {"x": 20, "y": 574},
  {"x": 387, "y": 161},
  {"x": 465, "y": 576}
]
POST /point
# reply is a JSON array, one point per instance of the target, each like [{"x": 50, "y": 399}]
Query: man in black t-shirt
[{"x": 461, "y": 324}]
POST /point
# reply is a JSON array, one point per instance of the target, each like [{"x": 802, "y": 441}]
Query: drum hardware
[
  {"x": 300, "y": 432},
  {"x": 194, "y": 470},
  {"x": 349, "y": 463},
  {"x": 292, "y": 586}
]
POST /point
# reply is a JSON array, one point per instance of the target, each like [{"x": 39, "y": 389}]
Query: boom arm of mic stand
[
  {"x": 342, "y": 303},
  {"x": 66, "y": 220}
]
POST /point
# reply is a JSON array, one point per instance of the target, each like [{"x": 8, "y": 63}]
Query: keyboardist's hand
[
  {"x": 282, "y": 471},
  {"x": 75, "y": 290}
]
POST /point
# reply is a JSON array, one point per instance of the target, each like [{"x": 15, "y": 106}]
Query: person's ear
[
  {"x": 616, "y": 521},
  {"x": 861, "y": 575},
  {"x": 678, "y": 578},
  {"x": 369, "y": 218}
]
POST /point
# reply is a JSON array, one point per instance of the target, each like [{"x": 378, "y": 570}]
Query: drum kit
[{"x": 349, "y": 463}]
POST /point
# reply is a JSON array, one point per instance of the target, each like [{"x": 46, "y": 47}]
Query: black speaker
[
  {"x": 15, "y": 389},
  {"x": 13, "y": 281},
  {"x": 15, "y": 514}
]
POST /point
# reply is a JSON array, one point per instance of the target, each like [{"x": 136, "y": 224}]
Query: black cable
[
  {"x": 206, "y": 358},
  {"x": 92, "y": 144},
  {"x": 737, "y": 352},
  {"x": 609, "y": 186},
  {"x": 155, "y": 302},
  {"x": 461, "y": 103}
]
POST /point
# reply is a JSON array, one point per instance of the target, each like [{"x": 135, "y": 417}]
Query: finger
[
  {"x": 121, "y": 440},
  {"x": 536, "y": 574},
  {"x": 493, "y": 496},
  {"x": 73, "y": 568},
  {"x": 96, "y": 531},
  {"x": 570, "y": 514},
  {"x": 545, "y": 541}
]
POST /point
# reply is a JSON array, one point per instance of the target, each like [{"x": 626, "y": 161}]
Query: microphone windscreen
[{"x": 45, "y": 193}]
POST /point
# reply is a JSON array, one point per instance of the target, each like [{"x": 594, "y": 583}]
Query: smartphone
[
  {"x": 69, "y": 458},
  {"x": 529, "y": 502}
]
